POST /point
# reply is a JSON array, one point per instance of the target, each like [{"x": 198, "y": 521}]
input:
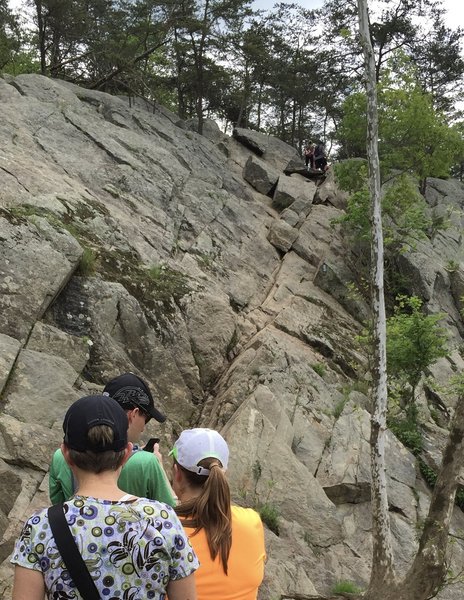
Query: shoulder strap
[{"x": 70, "y": 553}]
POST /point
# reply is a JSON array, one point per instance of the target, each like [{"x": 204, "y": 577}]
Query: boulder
[
  {"x": 291, "y": 189},
  {"x": 282, "y": 235},
  {"x": 260, "y": 175}
]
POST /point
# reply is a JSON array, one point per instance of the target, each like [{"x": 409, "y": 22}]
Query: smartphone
[{"x": 151, "y": 444}]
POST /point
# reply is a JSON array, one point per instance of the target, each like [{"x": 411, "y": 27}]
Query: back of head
[
  {"x": 203, "y": 456},
  {"x": 130, "y": 391},
  {"x": 95, "y": 432}
]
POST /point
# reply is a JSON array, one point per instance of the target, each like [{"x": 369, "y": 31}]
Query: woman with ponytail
[{"x": 228, "y": 539}]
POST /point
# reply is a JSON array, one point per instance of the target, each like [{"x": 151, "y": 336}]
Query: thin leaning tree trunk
[
  {"x": 429, "y": 569},
  {"x": 382, "y": 574}
]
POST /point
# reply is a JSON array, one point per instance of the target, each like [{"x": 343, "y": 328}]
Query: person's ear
[
  {"x": 131, "y": 414},
  {"x": 127, "y": 452},
  {"x": 177, "y": 474},
  {"x": 65, "y": 452}
]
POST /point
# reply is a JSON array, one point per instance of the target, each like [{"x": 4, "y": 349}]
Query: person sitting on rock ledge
[
  {"x": 124, "y": 546},
  {"x": 143, "y": 474}
]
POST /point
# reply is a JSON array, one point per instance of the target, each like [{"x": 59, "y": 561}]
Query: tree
[
  {"x": 200, "y": 31},
  {"x": 9, "y": 34},
  {"x": 414, "y": 136},
  {"x": 416, "y": 27},
  {"x": 382, "y": 554}
]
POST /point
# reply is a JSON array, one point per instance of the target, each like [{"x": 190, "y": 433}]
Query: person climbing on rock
[
  {"x": 309, "y": 155},
  {"x": 320, "y": 157}
]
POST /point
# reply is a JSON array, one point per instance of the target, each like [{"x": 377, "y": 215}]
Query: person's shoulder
[
  {"x": 37, "y": 518},
  {"x": 141, "y": 457},
  {"x": 150, "y": 508},
  {"x": 245, "y": 515},
  {"x": 58, "y": 455}
]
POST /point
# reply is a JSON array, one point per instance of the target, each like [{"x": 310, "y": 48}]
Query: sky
[{"x": 454, "y": 8}]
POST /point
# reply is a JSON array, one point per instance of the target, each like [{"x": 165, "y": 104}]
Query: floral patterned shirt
[{"x": 132, "y": 549}]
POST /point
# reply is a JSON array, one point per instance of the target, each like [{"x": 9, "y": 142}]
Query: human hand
[{"x": 157, "y": 453}]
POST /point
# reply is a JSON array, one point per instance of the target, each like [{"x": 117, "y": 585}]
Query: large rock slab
[
  {"x": 9, "y": 349},
  {"x": 32, "y": 272},
  {"x": 40, "y": 389},
  {"x": 261, "y": 430},
  {"x": 28, "y": 445},
  {"x": 344, "y": 471},
  {"x": 73, "y": 349}
]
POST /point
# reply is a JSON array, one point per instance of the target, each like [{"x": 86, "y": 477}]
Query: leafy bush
[
  {"x": 408, "y": 432},
  {"x": 319, "y": 368},
  {"x": 269, "y": 515},
  {"x": 88, "y": 263},
  {"x": 404, "y": 210},
  {"x": 414, "y": 341},
  {"x": 346, "y": 587}
]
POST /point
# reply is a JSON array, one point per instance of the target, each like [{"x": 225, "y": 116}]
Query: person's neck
[
  {"x": 187, "y": 493},
  {"x": 103, "y": 486}
]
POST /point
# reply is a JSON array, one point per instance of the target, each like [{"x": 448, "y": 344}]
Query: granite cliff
[{"x": 211, "y": 266}]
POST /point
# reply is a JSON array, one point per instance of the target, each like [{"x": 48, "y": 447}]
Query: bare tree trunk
[
  {"x": 428, "y": 571},
  {"x": 382, "y": 574},
  {"x": 41, "y": 27}
]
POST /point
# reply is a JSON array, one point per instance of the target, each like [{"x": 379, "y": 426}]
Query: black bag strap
[{"x": 70, "y": 554}]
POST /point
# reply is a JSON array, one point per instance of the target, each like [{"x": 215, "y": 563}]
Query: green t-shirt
[{"x": 142, "y": 476}]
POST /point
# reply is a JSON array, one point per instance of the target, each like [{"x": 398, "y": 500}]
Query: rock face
[{"x": 129, "y": 242}]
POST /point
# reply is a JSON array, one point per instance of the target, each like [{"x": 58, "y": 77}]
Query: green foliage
[
  {"x": 459, "y": 499},
  {"x": 24, "y": 61},
  {"x": 9, "y": 35},
  {"x": 269, "y": 515},
  {"x": 339, "y": 407},
  {"x": 427, "y": 473},
  {"x": 404, "y": 210},
  {"x": 88, "y": 263},
  {"x": 452, "y": 266},
  {"x": 167, "y": 283},
  {"x": 430, "y": 476},
  {"x": 346, "y": 587},
  {"x": 256, "y": 470},
  {"x": 413, "y": 136},
  {"x": 414, "y": 341},
  {"x": 408, "y": 432},
  {"x": 319, "y": 368}
]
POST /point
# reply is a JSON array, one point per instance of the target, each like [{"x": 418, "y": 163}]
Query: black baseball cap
[
  {"x": 129, "y": 390},
  {"x": 88, "y": 412}
]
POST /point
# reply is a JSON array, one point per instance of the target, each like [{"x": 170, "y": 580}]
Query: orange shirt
[{"x": 245, "y": 565}]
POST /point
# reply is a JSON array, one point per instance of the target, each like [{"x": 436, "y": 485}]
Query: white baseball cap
[{"x": 194, "y": 445}]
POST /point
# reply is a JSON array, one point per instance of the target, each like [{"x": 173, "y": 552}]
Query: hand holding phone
[{"x": 150, "y": 445}]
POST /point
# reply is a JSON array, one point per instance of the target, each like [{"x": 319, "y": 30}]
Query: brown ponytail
[{"x": 211, "y": 509}]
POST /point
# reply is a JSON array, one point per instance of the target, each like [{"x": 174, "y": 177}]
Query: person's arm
[
  {"x": 159, "y": 486},
  {"x": 28, "y": 584},
  {"x": 159, "y": 456},
  {"x": 181, "y": 589}
]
